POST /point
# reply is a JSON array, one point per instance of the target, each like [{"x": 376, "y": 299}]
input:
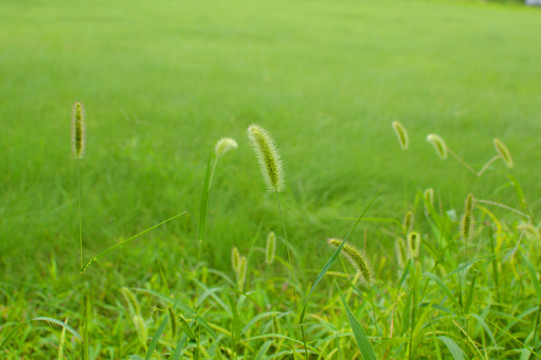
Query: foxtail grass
[
  {"x": 401, "y": 134},
  {"x": 407, "y": 222},
  {"x": 504, "y": 152},
  {"x": 357, "y": 259},
  {"x": 466, "y": 224},
  {"x": 78, "y": 143},
  {"x": 270, "y": 248}
]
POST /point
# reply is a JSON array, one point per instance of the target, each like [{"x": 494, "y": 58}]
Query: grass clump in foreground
[{"x": 452, "y": 289}]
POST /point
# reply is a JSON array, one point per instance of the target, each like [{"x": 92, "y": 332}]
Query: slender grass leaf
[
  {"x": 436, "y": 344},
  {"x": 363, "y": 343},
  {"x": 454, "y": 349},
  {"x": 156, "y": 338},
  {"x": 179, "y": 348},
  {"x": 204, "y": 203},
  {"x": 61, "y": 323},
  {"x": 263, "y": 350}
]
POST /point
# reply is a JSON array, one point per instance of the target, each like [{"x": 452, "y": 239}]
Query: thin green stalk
[
  {"x": 486, "y": 166},
  {"x": 374, "y": 312},
  {"x": 293, "y": 281},
  {"x": 460, "y": 160},
  {"x": 80, "y": 214},
  {"x": 84, "y": 310},
  {"x": 414, "y": 298}
]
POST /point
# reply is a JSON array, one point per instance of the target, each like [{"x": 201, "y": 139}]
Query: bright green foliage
[{"x": 163, "y": 81}]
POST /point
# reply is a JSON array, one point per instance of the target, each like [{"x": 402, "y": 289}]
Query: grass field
[{"x": 163, "y": 81}]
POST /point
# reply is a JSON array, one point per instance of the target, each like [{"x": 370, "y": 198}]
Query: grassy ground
[{"x": 163, "y": 81}]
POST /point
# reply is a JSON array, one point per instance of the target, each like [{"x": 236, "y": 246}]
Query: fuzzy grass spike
[
  {"x": 268, "y": 157},
  {"x": 439, "y": 145},
  {"x": 466, "y": 225},
  {"x": 224, "y": 145},
  {"x": 504, "y": 152},
  {"x": 413, "y": 245},
  {"x": 270, "y": 248},
  {"x": 401, "y": 134},
  {"x": 357, "y": 258},
  {"x": 78, "y": 131}
]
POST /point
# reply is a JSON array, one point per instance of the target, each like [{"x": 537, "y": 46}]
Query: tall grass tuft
[
  {"x": 439, "y": 145},
  {"x": 357, "y": 258},
  {"x": 504, "y": 152},
  {"x": 268, "y": 157},
  {"x": 401, "y": 134}
]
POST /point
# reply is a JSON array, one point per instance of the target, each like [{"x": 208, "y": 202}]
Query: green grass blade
[
  {"x": 436, "y": 345},
  {"x": 114, "y": 247},
  {"x": 156, "y": 338},
  {"x": 334, "y": 256},
  {"x": 454, "y": 349},
  {"x": 363, "y": 343},
  {"x": 179, "y": 348},
  {"x": 61, "y": 323}
]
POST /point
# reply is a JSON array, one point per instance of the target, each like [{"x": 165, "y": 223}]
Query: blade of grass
[
  {"x": 367, "y": 352},
  {"x": 156, "y": 338},
  {"x": 114, "y": 247},
  {"x": 454, "y": 349}
]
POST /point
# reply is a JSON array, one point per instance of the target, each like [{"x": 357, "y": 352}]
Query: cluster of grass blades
[{"x": 460, "y": 287}]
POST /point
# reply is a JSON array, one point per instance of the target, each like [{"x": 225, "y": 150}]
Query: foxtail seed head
[
  {"x": 357, "y": 258},
  {"x": 414, "y": 245},
  {"x": 401, "y": 134},
  {"x": 439, "y": 145},
  {"x": 78, "y": 131},
  {"x": 504, "y": 153},
  {"x": 224, "y": 145},
  {"x": 407, "y": 223},
  {"x": 270, "y": 248},
  {"x": 429, "y": 197},
  {"x": 235, "y": 260},
  {"x": 267, "y": 156},
  {"x": 466, "y": 225},
  {"x": 401, "y": 252},
  {"x": 243, "y": 269}
]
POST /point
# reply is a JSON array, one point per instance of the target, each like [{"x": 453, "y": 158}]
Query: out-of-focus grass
[{"x": 163, "y": 81}]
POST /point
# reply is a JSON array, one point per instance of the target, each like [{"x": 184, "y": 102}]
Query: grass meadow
[{"x": 162, "y": 82}]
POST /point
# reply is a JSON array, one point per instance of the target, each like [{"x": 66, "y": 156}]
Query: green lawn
[{"x": 163, "y": 81}]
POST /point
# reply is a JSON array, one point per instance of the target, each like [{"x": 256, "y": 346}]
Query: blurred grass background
[{"x": 163, "y": 81}]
